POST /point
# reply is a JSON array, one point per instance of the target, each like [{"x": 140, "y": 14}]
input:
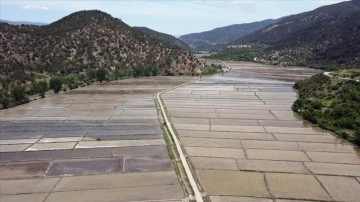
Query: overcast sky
[{"x": 174, "y": 17}]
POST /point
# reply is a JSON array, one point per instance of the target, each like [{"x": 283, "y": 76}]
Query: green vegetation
[
  {"x": 56, "y": 84},
  {"x": 16, "y": 93},
  {"x": 212, "y": 69},
  {"x": 239, "y": 54},
  {"x": 122, "y": 73},
  {"x": 347, "y": 74},
  {"x": 91, "y": 73},
  {"x": 101, "y": 74},
  {"x": 145, "y": 70},
  {"x": 39, "y": 87},
  {"x": 5, "y": 99},
  {"x": 332, "y": 103}
]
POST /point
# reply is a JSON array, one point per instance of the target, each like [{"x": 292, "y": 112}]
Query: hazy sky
[{"x": 174, "y": 17}]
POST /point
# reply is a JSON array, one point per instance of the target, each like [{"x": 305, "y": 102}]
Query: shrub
[
  {"x": 18, "y": 93},
  {"x": 168, "y": 72},
  {"x": 298, "y": 104},
  {"x": 316, "y": 104},
  {"x": 56, "y": 84},
  {"x": 43, "y": 87},
  {"x": 209, "y": 70},
  {"x": 5, "y": 99},
  {"x": 138, "y": 71},
  {"x": 101, "y": 74},
  {"x": 357, "y": 137},
  {"x": 122, "y": 72},
  {"x": 338, "y": 111},
  {"x": 91, "y": 73}
]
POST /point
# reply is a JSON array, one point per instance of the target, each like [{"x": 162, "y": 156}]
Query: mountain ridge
[
  {"x": 85, "y": 39},
  {"x": 23, "y": 22},
  {"x": 172, "y": 40},
  {"x": 219, "y": 37},
  {"x": 325, "y": 36}
]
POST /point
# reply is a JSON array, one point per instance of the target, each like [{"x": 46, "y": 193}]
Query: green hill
[
  {"x": 327, "y": 38},
  {"x": 218, "y": 38}
]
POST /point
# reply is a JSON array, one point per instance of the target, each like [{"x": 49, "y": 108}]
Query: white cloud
[{"x": 35, "y": 7}]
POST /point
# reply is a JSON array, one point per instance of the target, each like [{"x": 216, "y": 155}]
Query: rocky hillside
[
  {"x": 85, "y": 39},
  {"x": 327, "y": 37},
  {"x": 219, "y": 37},
  {"x": 163, "y": 37}
]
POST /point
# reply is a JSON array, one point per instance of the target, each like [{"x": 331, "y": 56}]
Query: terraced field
[
  {"x": 238, "y": 133},
  {"x": 245, "y": 144},
  {"x": 98, "y": 143}
]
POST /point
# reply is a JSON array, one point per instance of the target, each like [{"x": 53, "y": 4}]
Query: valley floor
[
  {"x": 97, "y": 143},
  {"x": 243, "y": 142}
]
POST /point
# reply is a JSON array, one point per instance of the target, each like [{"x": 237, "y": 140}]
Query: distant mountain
[
  {"x": 85, "y": 39},
  {"x": 23, "y": 23},
  {"x": 325, "y": 37},
  {"x": 217, "y": 38},
  {"x": 163, "y": 37}
]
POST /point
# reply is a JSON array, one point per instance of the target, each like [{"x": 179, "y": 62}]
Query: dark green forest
[
  {"x": 239, "y": 54},
  {"x": 332, "y": 103}
]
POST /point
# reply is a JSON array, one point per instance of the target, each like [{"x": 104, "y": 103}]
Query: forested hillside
[
  {"x": 79, "y": 49},
  {"x": 219, "y": 38},
  {"x": 327, "y": 38},
  {"x": 82, "y": 40},
  {"x": 163, "y": 37}
]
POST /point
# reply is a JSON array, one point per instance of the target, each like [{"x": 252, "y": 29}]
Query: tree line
[{"x": 19, "y": 93}]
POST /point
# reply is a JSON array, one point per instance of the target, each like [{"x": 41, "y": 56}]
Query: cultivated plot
[
  {"x": 97, "y": 143},
  {"x": 245, "y": 144}
]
